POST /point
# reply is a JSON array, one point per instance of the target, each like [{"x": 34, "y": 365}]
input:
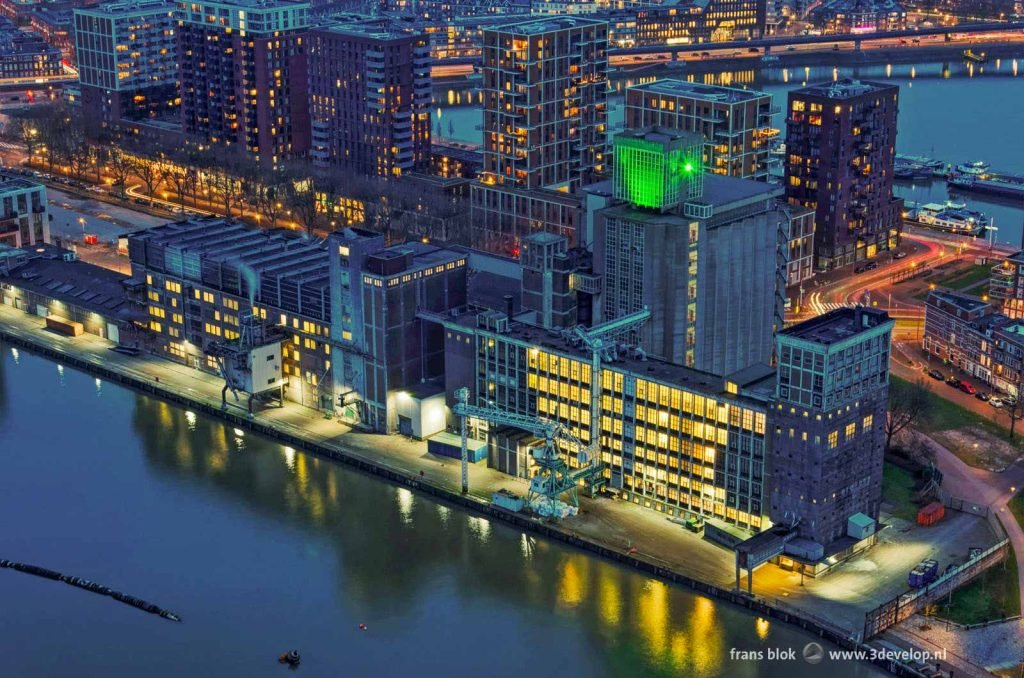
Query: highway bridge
[{"x": 766, "y": 44}]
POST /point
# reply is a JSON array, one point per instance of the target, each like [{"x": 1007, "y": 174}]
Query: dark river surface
[
  {"x": 951, "y": 111},
  {"x": 261, "y": 548}
]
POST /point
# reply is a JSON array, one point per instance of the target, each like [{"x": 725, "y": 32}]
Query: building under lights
[
  {"x": 1006, "y": 285},
  {"x": 243, "y": 75},
  {"x": 545, "y": 91},
  {"x": 840, "y": 152},
  {"x": 735, "y": 123},
  {"x": 673, "y": 439},
  {"x": 695, "y": 21},
  {"x": 752, "y": 449},
  {"x": 127, "y": 61},
  {"x": 369, "y": 93},
  {"x": 973, "y": 336},
  {"x": 704, "y": 253},
  {"x": 828, "y": 425},
  {"x": 24, "y": 215},
  {"x": 347, "y": 307},
  {"x": 859, "y": 16}
]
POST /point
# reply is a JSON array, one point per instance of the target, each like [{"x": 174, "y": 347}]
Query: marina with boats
[{"x": 966, "y": 177}]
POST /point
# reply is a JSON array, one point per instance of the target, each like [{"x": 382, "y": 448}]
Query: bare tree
[
  {"x": 301, "y": 188},
  {"x": 120, "y": 167},
  {"x": 25, "y": 132},
  {"x": 908, "y": 404},
  {"x": 148, "y": 171}
]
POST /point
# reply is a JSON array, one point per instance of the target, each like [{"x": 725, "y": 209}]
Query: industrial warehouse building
[{"x": 48, "y": 281}]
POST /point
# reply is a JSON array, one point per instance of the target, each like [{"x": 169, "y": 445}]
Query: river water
[
  {"x": 261, "y": 548},
  {"x": 951, "y": 111}
]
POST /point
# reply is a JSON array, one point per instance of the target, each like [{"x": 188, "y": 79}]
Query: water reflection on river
[{"x": 260, "y": 547}]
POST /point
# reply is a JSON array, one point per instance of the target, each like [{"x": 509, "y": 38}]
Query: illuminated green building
[
  {"x": 705, "y": 254},
  {"x": 657, "y": 169}
]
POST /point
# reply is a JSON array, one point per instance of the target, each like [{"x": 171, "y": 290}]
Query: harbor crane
[
  {"x": 554, "y": 476},
  {"x": 603, "y": 341}
]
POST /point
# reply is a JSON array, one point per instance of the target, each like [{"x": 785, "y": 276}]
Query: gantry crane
[
  {"x": 554, "y": 476},
  {"x": 603, "y": 342}
]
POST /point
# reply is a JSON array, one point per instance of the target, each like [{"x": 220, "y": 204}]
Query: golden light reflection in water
[
  {"x": 573, "y": 582},
  {"x": 761, "y": 626},
  {"x": 609, "y": 597},
  {"x": 405, "y": 500},
  {"x": 653, "y": 616}
]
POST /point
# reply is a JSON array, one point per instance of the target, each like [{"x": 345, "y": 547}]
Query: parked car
[
  {"x": 982, "y": 396},
  {"x": 951, "y": 380},
  {"x": 859, "y": 269},
  {"x": 995, "y": 402},
  {"x": 935, "y": 374},
  {"x": 967, "y": 388},
  {"x": 1009, "y": 402},
  {"x": 141, "y": 201},
  {"x": 899, "y": 255},
  {"x": 754, "y": 50},
  {"x": 872, "y": 266}
]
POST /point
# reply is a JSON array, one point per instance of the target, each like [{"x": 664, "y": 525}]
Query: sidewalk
[{"x": 841, "y": 598}]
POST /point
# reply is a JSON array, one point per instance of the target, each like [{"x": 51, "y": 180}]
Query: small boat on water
[
  {"x": 291, "y": 658},
  {"x": 977, "y": 169},
  {"x": 950, "y": 217},
  {"x": 976, "y": 57},
  {"x": 920, "y": 165}
]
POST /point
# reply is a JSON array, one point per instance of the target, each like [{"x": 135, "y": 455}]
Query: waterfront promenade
[{"x": 611, "y": 528}]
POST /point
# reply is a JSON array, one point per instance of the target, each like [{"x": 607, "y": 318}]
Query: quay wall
[{"x": 771, "y": 610}]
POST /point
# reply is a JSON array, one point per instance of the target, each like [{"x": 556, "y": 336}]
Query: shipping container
[
  {"x": 931, "y": 514},
  {"x": 449, "y": 445},
  {"x": 64, "y": 326}
]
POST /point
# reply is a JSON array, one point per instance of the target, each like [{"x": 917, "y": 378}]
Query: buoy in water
[
  {"x": 291, "y": 658},
  {"x": 362, "y": 627}
]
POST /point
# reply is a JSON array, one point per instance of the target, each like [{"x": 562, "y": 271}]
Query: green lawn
[
  {"x": 1017, "y": 507},
  {"x": 898, "y": 490},
  {"x": 944, "y": 415},
  {"x": 968, "y": 277},
  {"x": 993, "y": 595}
]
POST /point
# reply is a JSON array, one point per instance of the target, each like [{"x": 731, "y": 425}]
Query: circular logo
[{"x": 813, "y": 653}]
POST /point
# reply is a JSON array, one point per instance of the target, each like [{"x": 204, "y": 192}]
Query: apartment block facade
[
  {"x": 545, "y": 115},
  {"x": 973, "y": 336},
  {"x": 24, "y": 212},
  {"x": 734, "y": 122},
  {"x": 840, "y": 151},
  {"x": 127, "y": 60},
  {"x": 369, "y": 93},
  {"x": 243, "y": 75}
]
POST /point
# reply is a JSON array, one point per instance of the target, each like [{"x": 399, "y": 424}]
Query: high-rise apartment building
[
  {"x": 840, "y": 150},
  {"x": 545, "y": 92},
  {"x": 705, "y": 255},
  {"x": 127, "y": 61},
  {"x": 369, "y": 94},
  {"x": 1006, "y": 285},
  {"x": 243, "y": 75},
  {"x": 734, "y": 122},
  {"x": 829, "y": 436},
  {"x": 24, "y": 216}
]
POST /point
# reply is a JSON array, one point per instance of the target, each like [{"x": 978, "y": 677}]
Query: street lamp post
[{"x": 81, "y": 222}]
